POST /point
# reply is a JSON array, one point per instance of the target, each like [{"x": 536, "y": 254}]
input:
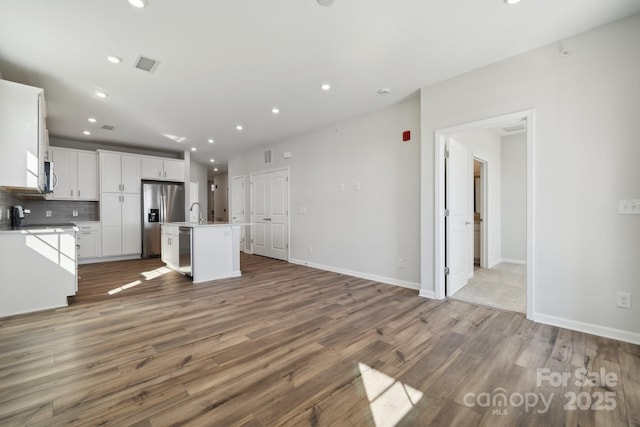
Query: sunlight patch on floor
[
  {"x": 148, "y": 275},
  {"x": 389, "y": 400},
  {"x": 123, "y": 287}
]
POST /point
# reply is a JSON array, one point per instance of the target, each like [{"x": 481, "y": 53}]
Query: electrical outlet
[
  {"x": 623, "y": 299},
  {"x": 310, "y": 249},
  {"x": 47, "y": 213},
  {"x": 400, "y": 263},
  {"x": 75, "y": 213}
]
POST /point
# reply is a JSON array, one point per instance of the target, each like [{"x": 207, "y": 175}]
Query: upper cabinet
[
  {"x": 119, "y": 173},
  {"x": 162, "y": 169},
  {"x": 75, "y": 174},
  {"x": 23, "y": 136}
]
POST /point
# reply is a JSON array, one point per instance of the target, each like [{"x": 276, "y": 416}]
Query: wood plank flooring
[{"x": 287, "y": 345}]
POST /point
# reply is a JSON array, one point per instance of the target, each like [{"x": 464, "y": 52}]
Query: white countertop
[
  {"x": 206, "y": 224},
  {"x": 40, "y": 229}
]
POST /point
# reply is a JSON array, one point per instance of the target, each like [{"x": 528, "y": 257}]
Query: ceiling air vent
[
  {"x": 267, "y": 156},
  {"x": 108, "y": 127},
  {"x": 146, "y": 64}
]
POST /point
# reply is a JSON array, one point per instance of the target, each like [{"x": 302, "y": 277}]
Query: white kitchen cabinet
[
  {"x": 119, "y": 173},
  {"x": 121, "y": 224},
  {"x": 88, "y": 240},
  {"x": 162, "y": 169},
  {"x": 120, "y": 204},
  {"x": 170, "y": 248},
  {"x": 76, "y": 174},
  {"x": 23, "y": 137}
]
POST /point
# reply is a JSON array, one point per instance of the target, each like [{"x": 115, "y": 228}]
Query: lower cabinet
[
  {"x": 121, "y": 224},
  {"x": 88, "y": 240},
  {"x": 170, "y": 245}
]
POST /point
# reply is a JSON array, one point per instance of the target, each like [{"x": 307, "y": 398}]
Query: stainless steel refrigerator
[{"x": 161, "y": 202}]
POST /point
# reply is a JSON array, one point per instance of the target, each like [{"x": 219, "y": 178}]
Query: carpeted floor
[{"x": 503, "y": 286}]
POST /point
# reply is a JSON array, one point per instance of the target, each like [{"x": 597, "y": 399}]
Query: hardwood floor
[{"x": 286, "y": 345}]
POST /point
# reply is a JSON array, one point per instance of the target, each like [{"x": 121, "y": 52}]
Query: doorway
[{"x": 491, "y": 257}]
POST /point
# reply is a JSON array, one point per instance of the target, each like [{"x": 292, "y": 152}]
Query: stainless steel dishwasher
[{"x": 184, "y": 250}]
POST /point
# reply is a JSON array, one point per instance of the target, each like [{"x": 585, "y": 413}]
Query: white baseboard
[
  {"x": 427, "y": 294},
  {"x": 381, "y": 279},
  {"x": 117, "y": 258},
  {"x": 513, "y": 261},
  {"x": 589, "y": 328}
]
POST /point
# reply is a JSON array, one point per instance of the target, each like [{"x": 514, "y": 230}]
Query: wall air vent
[
  {"x": 147, "y": 64},
  {"x": 267, "y": 156},
  {"x": 516, "y": 128},
  {"x": 108, "y": 127}
]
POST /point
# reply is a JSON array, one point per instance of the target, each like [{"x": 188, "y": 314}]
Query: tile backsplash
[
  {"x": 6, "y": 201},
  {"x": 60, "y": 210}
]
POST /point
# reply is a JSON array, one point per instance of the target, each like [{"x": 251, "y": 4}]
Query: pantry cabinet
[{"x": 120, "y": 204}]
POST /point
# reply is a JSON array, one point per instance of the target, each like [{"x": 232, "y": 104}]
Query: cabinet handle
[
  {"x": 78, "y": 193},
  {"x": 165, "y": 174},
  {"x": 71, "y": 193},
  {"x": 160, "y": 174}
]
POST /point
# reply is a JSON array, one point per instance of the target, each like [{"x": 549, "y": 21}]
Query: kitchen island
[
  {"x": 37, "y": 268},
  {"x": 205, "y": 252}
]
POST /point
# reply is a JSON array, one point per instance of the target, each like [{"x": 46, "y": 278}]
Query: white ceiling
[{"x": 228, "y": 62}]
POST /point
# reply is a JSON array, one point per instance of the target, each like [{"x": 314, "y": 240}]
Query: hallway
[{"x": 503, "y": 286}]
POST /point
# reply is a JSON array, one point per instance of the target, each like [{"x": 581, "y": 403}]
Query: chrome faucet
[{"x": 200, "y": 219}]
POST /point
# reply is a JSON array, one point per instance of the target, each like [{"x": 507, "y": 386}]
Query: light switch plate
[
  {"x": 47, "y": 213},
  {"x": 629, "y": 207}
]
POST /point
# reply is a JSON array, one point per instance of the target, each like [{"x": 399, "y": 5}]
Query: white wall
[
  {"x": 485, "y": 144},
  {"x": 363, "y": 232},
  {"x": 198, "y": 173},
  {"x": 514, "y": 197},
  {"x": 586, "y": 159}
]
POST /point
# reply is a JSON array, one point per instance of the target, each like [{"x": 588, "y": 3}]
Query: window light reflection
[{"x": 389, "y": 400}]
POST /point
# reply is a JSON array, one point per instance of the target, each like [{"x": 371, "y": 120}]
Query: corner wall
[{"x": 586, "y": 154}]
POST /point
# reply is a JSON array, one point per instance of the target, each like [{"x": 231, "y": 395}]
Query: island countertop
[{"x": 207, "y": 224}]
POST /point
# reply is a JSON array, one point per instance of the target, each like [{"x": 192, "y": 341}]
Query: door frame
[
  {"x": 484, "y": 195},
  {"x": 439, "y": 193},
  {"x": 243, "y": 234},
  {"x": 251, "y": 175}
]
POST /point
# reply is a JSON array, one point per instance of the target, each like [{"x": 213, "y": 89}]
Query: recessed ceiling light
[
  {"x": 325, "y": 2},
  {"x": 211, "y": 141},
  {"x": 86, "y": 132},
  {"x": 565, "y": 51},
  {"x": 326, "y": 86},
  {"x": 215, "y": 169},
  {"x": 138, "y": 3},
  {"x": 114, "y": 59},
  {"x": 239, "y": 128},
  {"x": 275, "y": 110},
  {"x": 510, "y": 2},
  {"x": 212, "y": 160},
  {"x": 384, "y": 91},
  {"x": 92, "y": 120},
  {"x": 101, "y": 94},
  {"x": 193, "y": 148}
]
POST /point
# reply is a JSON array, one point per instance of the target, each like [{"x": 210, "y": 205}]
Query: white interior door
[
  {"x": 270, "y": 214},
  {"x": 456, "y": 198},
  {"x": 279, "y": 214},
  {"x": 237, "y": 205}
]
